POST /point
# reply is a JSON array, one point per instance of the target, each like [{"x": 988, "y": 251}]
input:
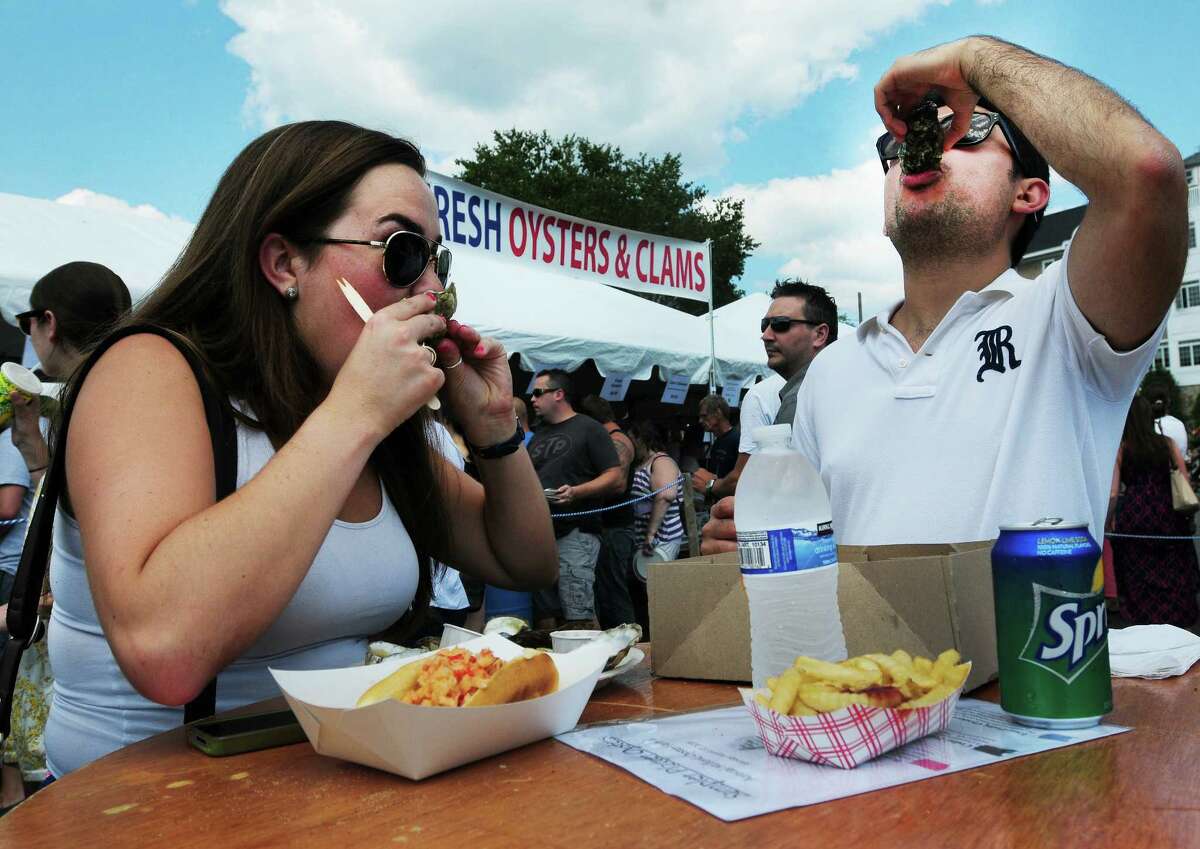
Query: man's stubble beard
[{"x": 949, "y": 228}]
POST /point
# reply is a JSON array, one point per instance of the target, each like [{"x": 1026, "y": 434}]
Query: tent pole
[{"x": 712, "y": 327}]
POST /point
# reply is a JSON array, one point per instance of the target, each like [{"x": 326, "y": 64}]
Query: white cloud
[
  {"x": 829, "y": 230},
  {"x": 671, "y": 75},
  {"x": 94, "y": 200}
]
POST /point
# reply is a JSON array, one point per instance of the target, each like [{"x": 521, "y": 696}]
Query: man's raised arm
[{"x": 1126, "y": 261}]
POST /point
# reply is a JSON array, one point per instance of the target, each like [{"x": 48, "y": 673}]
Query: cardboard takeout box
[
  {"x": 920, "y": 598},
  {"x": 417, "y": 742}
]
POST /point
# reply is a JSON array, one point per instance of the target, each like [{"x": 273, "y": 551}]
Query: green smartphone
[{"x": 221, "y": 737}]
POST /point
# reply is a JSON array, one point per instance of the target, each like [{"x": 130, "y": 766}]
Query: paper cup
[
  {"x": 16, "y": 376},
  {"x": 453, "y": 635},
  {"x": 567, "y": 641}
]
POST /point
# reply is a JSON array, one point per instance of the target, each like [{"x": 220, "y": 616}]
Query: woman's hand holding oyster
[{"x": 478, "y": 385}]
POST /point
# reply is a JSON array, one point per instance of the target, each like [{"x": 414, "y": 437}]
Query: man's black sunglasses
[
  {"x": 539, "y": 391},
  {"x": 783, "y": 323},
  {"x": 24, "y": 317},
  {"x": 406, "y": 255},
  {"x": 981, "y": 127}
]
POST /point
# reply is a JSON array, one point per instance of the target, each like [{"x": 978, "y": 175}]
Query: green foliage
[{"x": 600, "y": 183}]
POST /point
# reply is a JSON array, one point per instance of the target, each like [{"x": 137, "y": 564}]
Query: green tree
[{"x": 600, "y": 183}]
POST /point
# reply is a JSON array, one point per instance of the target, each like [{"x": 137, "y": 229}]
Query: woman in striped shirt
[{"x": 657, "y": 523}]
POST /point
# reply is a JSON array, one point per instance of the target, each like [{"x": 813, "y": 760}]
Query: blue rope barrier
[{"x": 678, "y": 481}]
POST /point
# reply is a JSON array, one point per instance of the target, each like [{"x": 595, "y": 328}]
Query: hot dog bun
[
  {"x": 524, "y": 678},
  {"x": 457, "y": 677},
  {"x": 393, "y": 686}
]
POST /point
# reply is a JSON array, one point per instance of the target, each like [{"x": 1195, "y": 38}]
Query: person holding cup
[
  {"x": 70, "y": 310},
  {"x": 341, "y": 504}
]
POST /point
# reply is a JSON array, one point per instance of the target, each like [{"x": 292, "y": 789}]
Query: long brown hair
[
  {"x": 293, "y": 180},
  {"x": 1143, "y": 446}
]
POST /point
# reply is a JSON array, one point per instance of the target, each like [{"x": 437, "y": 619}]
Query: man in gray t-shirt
[{"x": 16, "y": 496}]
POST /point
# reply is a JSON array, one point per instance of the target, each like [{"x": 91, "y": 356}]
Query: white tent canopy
[
  {"x": 556, "y": 320},
  {"x": 736, "y": 330},
  {"x": 37, "y": 236},
  {"x": 549, "y": 319}
]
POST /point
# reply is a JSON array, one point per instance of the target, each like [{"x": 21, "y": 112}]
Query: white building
[{"x": 1180, "y": 348}]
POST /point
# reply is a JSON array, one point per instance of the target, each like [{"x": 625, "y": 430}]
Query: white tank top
[{"x": 363, "y": 579}]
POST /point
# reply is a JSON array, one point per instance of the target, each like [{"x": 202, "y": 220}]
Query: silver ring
[
  {"x": 455, "y": 365},
  {"x": 432, "y": 355}
]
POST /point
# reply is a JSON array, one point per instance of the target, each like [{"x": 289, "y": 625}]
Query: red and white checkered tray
[{"x": 847, "y": 737}]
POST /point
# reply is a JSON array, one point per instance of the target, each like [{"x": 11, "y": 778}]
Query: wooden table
[{"x": 1131, "y": 790}]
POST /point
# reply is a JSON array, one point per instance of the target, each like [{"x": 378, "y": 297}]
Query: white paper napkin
[{"x": 1152, "y": 651}]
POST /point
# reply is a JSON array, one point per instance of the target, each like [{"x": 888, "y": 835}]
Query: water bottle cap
[{"x": 777, "y": 434}]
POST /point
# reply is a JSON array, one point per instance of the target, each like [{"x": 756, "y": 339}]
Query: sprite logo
[{"x": 1067, "y": 631}]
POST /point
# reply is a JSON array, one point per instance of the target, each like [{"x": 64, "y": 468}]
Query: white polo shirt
[
  {"x": 1175, "y": 429},
  {"x": 758, "y": 410},
  {"x": 1011, "y": 411}
]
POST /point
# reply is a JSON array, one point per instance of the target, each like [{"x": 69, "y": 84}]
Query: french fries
[{"x": 896, "y": 681}]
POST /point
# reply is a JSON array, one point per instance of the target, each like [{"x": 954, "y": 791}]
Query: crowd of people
[{"x": 977, "y": 400}]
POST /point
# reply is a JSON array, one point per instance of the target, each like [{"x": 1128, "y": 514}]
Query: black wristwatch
[{"x": 500, "y": 449}]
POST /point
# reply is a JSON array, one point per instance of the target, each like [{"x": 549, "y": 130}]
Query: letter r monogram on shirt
[{"x": 992, "y": 345}]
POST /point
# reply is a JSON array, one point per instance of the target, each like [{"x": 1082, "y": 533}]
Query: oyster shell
[
  {"x": 378, "y": 652},
  {"x": 447, "y": 302},
  {"x": 922, "y": 147},
  {"x": 445, "y": 306},
  {"x": 508, "y": 626},
  {"x": 624, "y": 636}
]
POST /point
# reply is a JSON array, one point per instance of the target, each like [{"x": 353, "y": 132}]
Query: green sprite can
[{"x": 1051, "y": 625}]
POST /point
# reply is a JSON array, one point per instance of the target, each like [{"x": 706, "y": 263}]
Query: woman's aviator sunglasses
[
  {"x": 405, "y": 256},
  {"x": 981, "y": 127},
  {"x": 23, "y": 319}
]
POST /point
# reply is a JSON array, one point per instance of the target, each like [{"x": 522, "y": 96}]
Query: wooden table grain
[{"x": 1140, "y": 789}]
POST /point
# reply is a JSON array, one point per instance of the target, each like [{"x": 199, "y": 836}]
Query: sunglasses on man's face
[
  {"x": 539, "y": 392},
  {"x": 783, "y": 323},
  {"x": 23, "y": 319},
  {"x": 406, "y": 255},
  {"x": 981, "y": 127}
]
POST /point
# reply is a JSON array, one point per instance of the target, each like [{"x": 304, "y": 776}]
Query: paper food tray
[
  {"x": 848, "y": 737},
  {"x": 417, "y": 742}
]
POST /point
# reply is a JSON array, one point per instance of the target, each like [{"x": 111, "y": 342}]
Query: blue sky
[{"x": 147, "y": 102}]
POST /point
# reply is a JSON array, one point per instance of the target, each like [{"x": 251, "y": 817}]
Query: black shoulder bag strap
[{"x": 24, "y": 626}]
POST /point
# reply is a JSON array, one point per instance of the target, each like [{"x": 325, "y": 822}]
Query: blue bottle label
[{"x": 787, "y": 549}]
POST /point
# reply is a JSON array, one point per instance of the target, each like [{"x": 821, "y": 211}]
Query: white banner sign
[
  {"x": 479, "y": 220},
  {"x": 732, "y": 393},
  {"x": 676, "y": 389},
  {"x": 615, "y": 386}
]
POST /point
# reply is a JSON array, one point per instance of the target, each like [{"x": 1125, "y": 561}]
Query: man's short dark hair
[
  {"x": 714, "y": 404},
  {"x": 1033, "y": 164},
  {"x": 558, "y": 379},
  {"x": 819, "y": 305},
  {"x": 597, "y": 408}
]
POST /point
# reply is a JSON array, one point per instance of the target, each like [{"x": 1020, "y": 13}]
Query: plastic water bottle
[{"x": 789, "y": 558}]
